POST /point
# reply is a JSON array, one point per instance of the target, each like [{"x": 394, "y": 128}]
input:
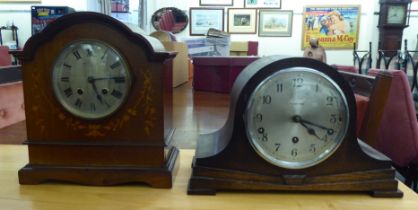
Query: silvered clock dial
[
  {"x": 296, "y": 118},
  {"x": 90, "y": 79}
]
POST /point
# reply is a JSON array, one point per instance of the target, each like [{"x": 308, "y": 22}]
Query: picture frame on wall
[
  {"x": 242, "y": 21},
  {"x": 335, "y": 26},
  {"x": 275, "y": 23},
  {"x": 216, "y": 2},
  {"x": 202, "y": 19},
  {"x": 277, "y": 4}
]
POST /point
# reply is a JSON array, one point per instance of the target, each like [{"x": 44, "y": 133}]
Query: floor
[
  {"x": 197, "y": 112},
  {"x": 194, "y": 112}
]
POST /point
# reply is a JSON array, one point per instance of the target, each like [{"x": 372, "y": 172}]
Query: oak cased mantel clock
[
  {"x": 291, "y": 127},
  {"x": 393, "y": 18},
  {"x": 98, "y": 104}
]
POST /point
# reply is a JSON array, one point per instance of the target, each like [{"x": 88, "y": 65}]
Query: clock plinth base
[
  {"x": 387, "y": 194},
  {"x": 378, "y": 183},
  {"x": 158, "y": 177}
]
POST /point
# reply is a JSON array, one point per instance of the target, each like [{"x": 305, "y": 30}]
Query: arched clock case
[
  {"x": 98, "y": 104},
  {"x": 291, "y": 127}
]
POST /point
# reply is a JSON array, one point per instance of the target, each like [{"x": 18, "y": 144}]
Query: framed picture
[
  {"x": 202, "y": 19},
  {"x": 336, "y": 27},
  {"x": 216, "y": 2},
  {"x": 275, "y": 22},
  {"x": 263, "y": 4},
  {"x": 120, "y": 6},
  {"x": 242, "y": 21}
]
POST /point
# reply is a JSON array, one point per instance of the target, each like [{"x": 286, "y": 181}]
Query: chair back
[
  {"x": 371, "y": 94},
  {"x": 398, "y": 131}
]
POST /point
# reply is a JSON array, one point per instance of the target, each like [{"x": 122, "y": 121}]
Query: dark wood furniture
[
  {"x": 218, "y": 73},
  {"x": 10, "y": 74},
  {"x": 15, "y": 54},
  {"x": 225, "y": 160},
  {"x": 130, "y": 145},
  {"x": 393, "y": 18}
]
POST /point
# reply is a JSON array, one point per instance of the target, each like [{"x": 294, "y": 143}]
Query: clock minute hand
[
  {"x": 330, "y": 131},
  {"x": 311, "y": 131}
]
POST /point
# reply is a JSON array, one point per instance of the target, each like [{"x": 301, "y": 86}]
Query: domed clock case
[
  {"x": 291, "y": 127},
  {"x": 98, "y": 104}
]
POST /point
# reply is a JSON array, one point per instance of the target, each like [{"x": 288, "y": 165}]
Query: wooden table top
[{"x": 68, "y": 196}]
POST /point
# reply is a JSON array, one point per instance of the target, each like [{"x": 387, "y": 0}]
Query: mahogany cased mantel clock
[
  {"x": 291, "y": 127},
  {"x": 393, "y": 18},
  {"x": 98, "y": 104}
]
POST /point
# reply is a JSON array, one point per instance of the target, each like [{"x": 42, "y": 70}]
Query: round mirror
[{"x": 169, "y": 19}]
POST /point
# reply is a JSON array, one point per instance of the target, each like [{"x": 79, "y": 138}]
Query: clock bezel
[
  {"x": 301, "y": 164},
  {"x": 388, "y": 18},
  {"x": 79, "y": 113}
]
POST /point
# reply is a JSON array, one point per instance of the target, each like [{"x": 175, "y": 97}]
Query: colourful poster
[{"x": 336, "y": 27}]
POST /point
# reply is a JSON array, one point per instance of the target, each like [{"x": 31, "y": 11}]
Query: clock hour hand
[
  {"x": 92, "y": 82},
  {"x": 311, "y": 131},
  {"x": 330, "y": 131}
]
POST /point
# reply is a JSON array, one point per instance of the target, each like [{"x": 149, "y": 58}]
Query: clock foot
[
  {"x": 387, "y": 194},
  {"x": 157, "y": 177}
]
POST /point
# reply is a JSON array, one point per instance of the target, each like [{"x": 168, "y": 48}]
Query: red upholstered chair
[
  {"x": 371, "y": 94},
  {"x": 398, "y": 132},
  {"x": 5, "y": 59},
  {"x": 362, "y": 103}
]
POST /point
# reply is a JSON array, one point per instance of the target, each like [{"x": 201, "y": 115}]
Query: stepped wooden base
[
  {"x": 103, "y": 176},
  {"x": 379, "y": 183}
]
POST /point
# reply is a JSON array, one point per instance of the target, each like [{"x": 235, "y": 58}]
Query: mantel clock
[
  {"x": 291, "y": 127},
  {"x": 98, "y": 104}
]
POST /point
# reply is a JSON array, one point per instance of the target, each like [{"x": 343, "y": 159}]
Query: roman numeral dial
[{"x": 91, "y": 79}]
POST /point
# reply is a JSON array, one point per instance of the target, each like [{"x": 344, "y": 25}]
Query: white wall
[
  {"x": 411, "y": 32},
  {"x": 368, "y": 31},
  {"x": 19, "y": 13}
]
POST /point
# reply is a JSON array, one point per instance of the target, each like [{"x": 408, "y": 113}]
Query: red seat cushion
[
  {"x": 361, "y": 104},
  {"x": 398, "y": 132}
]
